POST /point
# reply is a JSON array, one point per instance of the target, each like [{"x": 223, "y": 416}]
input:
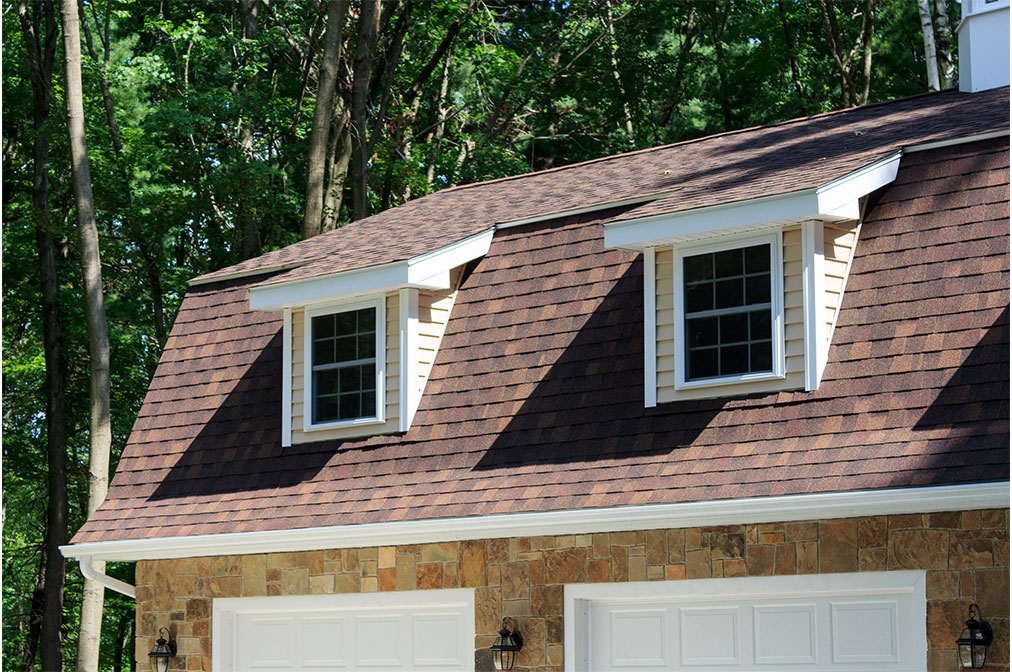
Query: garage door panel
[
  {"x": 839, "y": 623},
  {"x": 435, "y": 641}
]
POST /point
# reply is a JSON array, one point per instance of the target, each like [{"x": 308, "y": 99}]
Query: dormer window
[
  {"x": 347, "y": 376},
  {"x": 729, "y": 316}
]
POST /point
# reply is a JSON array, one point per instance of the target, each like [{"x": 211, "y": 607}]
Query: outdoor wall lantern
[
  {"x": 162, "y": 652},
  {"x": 973, "y": 643},
  {"x": 506, "y": 646}
]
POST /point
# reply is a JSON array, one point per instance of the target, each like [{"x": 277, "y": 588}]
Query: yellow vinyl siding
[
  {"x": 794, "y": 329},
  {"x": 433, "y": 314},
  {"x": 391, "y": 381},
  {"x": 840, "y": 239}
]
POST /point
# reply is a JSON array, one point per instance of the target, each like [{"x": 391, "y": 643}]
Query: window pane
[
  {"x": 727, "y": 263},
  {"x": 757, "y": 289},
  {"x": 730, "y": 293},
  {"x": 345, "y": 349},
  {"x": 699, "y": 297},
  {"x": 367, "y": 345},
  {"x": 702, "y": 363},
  {"x": 760, "y": 326},
  {"x": 702, "y": 331},
  {"x": 757, "y": 259},
  {"x": 350, "y": 377},
  {"x": 350, "y": 406},
  {"x": 368, "y": 376},
  {"x": 733, "y": 359},
  {"x": 326, "y": 409},
  {"x": 366, "y": 320},
  {"x": 345, "y": 323},
  {"x": 323, "y": 326},
  {"x": 323, "y": 351},
  {"x": 762, "y": 356},
  {"x": 369, "y": 404},
  {"x": 698, "y": 268},
  {"x": 734, "y": 328},
  {"x": 325, "y": 382}
]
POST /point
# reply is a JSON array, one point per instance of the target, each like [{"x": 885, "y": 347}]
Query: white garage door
[
  {"x": 838, "y": 622},
  {"x": 423, "y": 630}
]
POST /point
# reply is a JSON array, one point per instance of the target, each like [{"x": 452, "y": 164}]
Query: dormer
[
  {"x": 743, "y": 297},
  {"x": 358, "y": 345}
]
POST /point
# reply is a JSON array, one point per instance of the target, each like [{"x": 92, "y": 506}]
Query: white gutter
[
  {"x": 93, "y": 573},
  {"x": 582, "y": 521}
]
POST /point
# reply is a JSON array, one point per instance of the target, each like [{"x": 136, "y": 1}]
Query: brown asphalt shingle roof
[
  {"x": 763, "y": 161},
  {"x": 535, "y": 399}
]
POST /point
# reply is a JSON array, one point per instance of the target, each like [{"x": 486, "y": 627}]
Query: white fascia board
[
  {"x": 581, "y": 521},
  {"x": 425, "y": 271},
  {"x": 835, "y": 200}
]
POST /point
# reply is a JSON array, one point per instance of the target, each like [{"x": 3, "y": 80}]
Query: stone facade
[{"x": 965, "y": 555}]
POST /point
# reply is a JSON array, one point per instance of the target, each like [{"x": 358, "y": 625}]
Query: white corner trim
[
  {"x": 286, "y": 379},
  {"x": 98, "y": 575},
  {"x": 834, "y": 200},
  {"x": 409, "y": 392},
  {"x": 580, "y": 521},
  {"x": 813, "y": 283},
  {"x": 425, "y": 271},
  {"x": 923, "y": 147},
  {"x": 649, "y": 328}
]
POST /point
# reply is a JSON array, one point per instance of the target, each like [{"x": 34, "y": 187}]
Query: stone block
[
  {"x": 487, "y": 618},
  {"x": 991, "y": 587},
  {"x": 546, "y": 601},
  {"x": 989, "y": 518},
  {"x": 274, "y": 561},
  {"x": 771, "y": 538},
  {"x": 203, "y": 566},
  {"x": 494, "y": 575},
  {"x": 872, "y": 559},
  {"x": 516, "y": 581},
  {"x": 837, "y": 546},
  {"x": 808, "y": 557},
  {"x": 998, "y": 653},
  {"x": 697, "y": 563},
  {"x": 619, "y": 564},
  {"x": 347, "y": 583},
  {"x": 164, "y": 592},
  {"x": 623, "y": 538},
  {"x": 729, "y": 545},
  {"x": 1001, "y": 554},
  {"x": 918, "y": 549},
  {"x": 202, "y": 628},
  {"x": 321, "y": 585},
  {"x": 295, "y": 581},
  {"x": 601, "y": 547},
  {"x": 533, "y": 654},
  {"x": 566, "y": 566},
  {"x": 676, "y": 546},
  {"x": 498, "y": 552},
  {"x": 316, "y": 562},
  {"x": 638, "y": 549},
  {"x": 906, "y": 521},
  {"x": 946, "y": 520},
  {"x": 516, "y": 608},
  {"x": 760, "y": 560},
  {"x": 971, "y": 554},
  {"x": 656, "y": 542},
  {"x": 349, "y": 558},
  {"x": 804, "y": 531},
  {"x": 405, "y": 575},
  {"x": 565, "y": 541},
  {"x": 872, "y": 532},
  {"x": 584, "y": 540},
  {"x": 554, "y": 654},
  {"x": 942, "y": 585},
  {"x": 751, "y": 534},
  {"x": 273, "y": 575},
  {"x": 537, "y": 572},
  {"x": 655, "y": 572},
  {"x": 387, "y": 579},
  {"x": 370, "y": 584},
  {"x": 637, "y": 568},
  {"x": 273, "y": 589},
  {"x": 966, "y": 586},
  {"x": 186, "y": 585},
  {"x": 386, "y": 558},
  {"x": 254, "y": 576},
  {"x": 197, "y": 609},
  {"x": 226, "y": 586},
  {"x": 598, "y": 571},
  {"x": 970, "y": 520},
  {"x": 429, "y": 576},
  {"x": 446, "y": 552},
  {"x": 693, "y": 539},
  {"x": 945, "y": 622},
  {"x": 473, "y": 564},
  {"x": 371, "y": 553},
  {"x": 554, "y": 630},
  {"x": 735, "y": 567},
  {"x": 674, "y": 572},
  {"x": 332, "y": 555},
  {"x": 717, "y": 569},
  {"x": 785, "y": 560},
  {"x": 542, "y": 543}
]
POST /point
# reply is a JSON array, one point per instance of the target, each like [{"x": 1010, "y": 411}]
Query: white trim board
[{"x": 580, "y": 521}]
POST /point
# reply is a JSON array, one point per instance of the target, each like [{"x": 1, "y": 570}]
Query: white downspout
[{"x": 91, "y": 572}]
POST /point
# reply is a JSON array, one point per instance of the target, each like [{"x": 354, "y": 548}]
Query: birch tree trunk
[
  {"x": 365, "y": 57},
  {"x": 318, "y": 136},
  {"x": 943, "y": 46},
  {"x": 928, "y": 30},
  {"x": 100, "y": 429},
  {"x": 41, "y": 54}
]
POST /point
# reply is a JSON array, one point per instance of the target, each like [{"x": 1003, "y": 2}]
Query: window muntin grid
[
  {"x": 344, "y": 365},
  {"x": 728, "y": 312}
]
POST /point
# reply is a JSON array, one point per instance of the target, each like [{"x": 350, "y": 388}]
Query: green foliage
[{"x": 530, "y": 85}]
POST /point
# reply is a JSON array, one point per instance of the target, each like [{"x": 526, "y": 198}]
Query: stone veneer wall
[{"x": 965, "y": 554}]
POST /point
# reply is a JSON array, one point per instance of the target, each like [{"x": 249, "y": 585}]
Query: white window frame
[
  {"x": 776, "y": 243},
  {"x": 379, "y": 303}
]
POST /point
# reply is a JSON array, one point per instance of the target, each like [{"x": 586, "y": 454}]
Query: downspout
[{"x": 90, "y": 572}]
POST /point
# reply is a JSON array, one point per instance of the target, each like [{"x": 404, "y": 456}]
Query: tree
[
  {"x": 100, "y": 430},
  {"x": 930, "y": 57}
]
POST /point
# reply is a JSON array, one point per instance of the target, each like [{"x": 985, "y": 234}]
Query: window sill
[
  {"x": 729, "y": 380},
  {"x": 341, "y": 424}
]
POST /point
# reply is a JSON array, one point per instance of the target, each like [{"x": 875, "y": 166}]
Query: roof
[
  {"x": 739, "y": 165},
  {"x": 535, "y": 399}
]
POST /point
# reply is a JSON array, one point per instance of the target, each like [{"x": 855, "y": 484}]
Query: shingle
[{"x": 535, "y": 400}]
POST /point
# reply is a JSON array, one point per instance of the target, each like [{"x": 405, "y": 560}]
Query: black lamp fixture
[
  {"x": 506, "y": 646},
  {"x": 162, "y": 652},
  {"x": 972, "y": 644}
]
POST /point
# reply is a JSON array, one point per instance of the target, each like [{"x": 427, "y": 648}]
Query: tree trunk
[
  {"x": 718, "y": 43},
  {"x": 339, "y": 155},
  {"x": 318, "y": 136},
  {"x": 867, "y": 34},
  {"x": 610, "y": 27},
  {"x": 791, "y": 52},
  {"x": 41, "y": 57},
  {"x": 930, "y": 58},
  {"x": 437, "y": 134},
  {"x": 100, "y": 429},
  {"x": 365, "y": 57},
  {"x": 943, "y": 46},
  {"x": 832, "y": 31},
  {"x": 249, "y": 11}
]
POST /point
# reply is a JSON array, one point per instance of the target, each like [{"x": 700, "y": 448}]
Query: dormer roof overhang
[
  {"x": 836, "y": 200},
  {"x": 430, "y": 270}
]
